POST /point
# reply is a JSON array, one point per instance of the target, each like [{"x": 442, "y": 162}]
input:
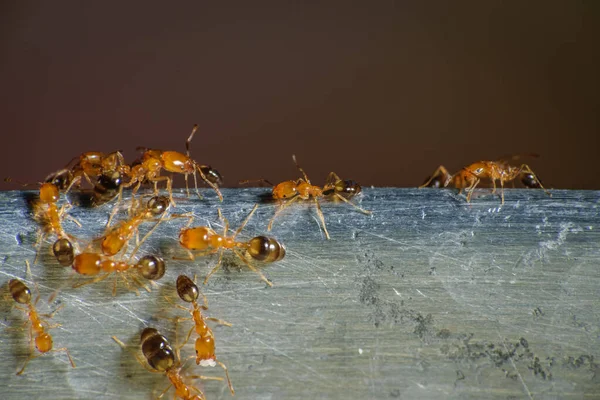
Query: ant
[
  {"x": 149, "y": 267},
  {"x": 469, "y": 177},
  {"x": 289, "y": 191},
  {"x": 47, "y": 212},
  {"x": 153, "y": 161},
  {"x": 204, "y": 238},
  {"x": 188, "y": 291},
  {"x": 116, "y": 238},
  {"x": 43, "y": 340},
  {"x": 87, "y": 165},
  {"x": 160, "y": 358}
]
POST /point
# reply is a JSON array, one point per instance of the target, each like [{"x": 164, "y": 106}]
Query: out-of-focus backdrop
[{"x": 380, "y": 92}]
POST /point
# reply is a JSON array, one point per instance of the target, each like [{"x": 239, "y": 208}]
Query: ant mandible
[
  {"x": 289, "y": 191},
  {"x": 188, "y": 291},
  {"x": 160, "y": 358},
  {"x": 43, "y": 340},
  {"x": 204, "y": 238},
  {"x": 153, "y": 161}
]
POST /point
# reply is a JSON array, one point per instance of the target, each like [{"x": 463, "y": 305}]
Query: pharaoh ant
[
  {"x": 47, "y": 212},
  {"x": 153, "y": 161},
  {"x": 469, "y": 177},
  {"x": 43, "y": 340},
  {"x": 116, "y": 238},
  {"x": 188, "y": 291},
  {"x": 88, "y": 165},
  {"x": 301, "y": 189},
  {"x": 204, "y": 238},
  {"x": 149, "y": 267},
  {"x": 160, "y": 358}
]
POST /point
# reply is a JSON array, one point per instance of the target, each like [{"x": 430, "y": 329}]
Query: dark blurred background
[{"x": 380, "y": 92}]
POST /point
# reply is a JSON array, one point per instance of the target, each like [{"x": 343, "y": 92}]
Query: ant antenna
[
  {"x": 189, "y": 140},
  {"x": 300, "y": 168}
]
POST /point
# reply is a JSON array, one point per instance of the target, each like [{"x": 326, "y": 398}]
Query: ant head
[
  {"x": 187, "y": 289},
  {"x": 157, "y": 205}
]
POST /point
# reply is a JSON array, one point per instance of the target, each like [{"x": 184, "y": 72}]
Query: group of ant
[
  {"x": 103, "y": 178},
  {"x": 108, "y": 175}
]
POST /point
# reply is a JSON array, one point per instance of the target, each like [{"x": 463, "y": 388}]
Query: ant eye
[{"x": 479, "y": 170}]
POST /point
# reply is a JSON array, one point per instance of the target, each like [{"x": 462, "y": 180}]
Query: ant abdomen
[
  {"x": 211, "y": 174},
  {"x": 157, "y": 205},
  {"x": 19, "y": 291},
  {"x": 63, "y": 251},
  {"x": 530, "y": 181},
  {"x": 266, "y": 249},
  {"x": 348, "y": 188},
  {"x": 157, "y": 350},
  {"x": 152, "y": 267},
  {"x": 187, "y": 289}
]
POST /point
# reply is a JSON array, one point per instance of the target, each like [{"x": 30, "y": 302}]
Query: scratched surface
[{"x": 427, "y": 298}]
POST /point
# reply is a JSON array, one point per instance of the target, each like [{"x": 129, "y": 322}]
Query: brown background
[{"x": 380, "y": 92}]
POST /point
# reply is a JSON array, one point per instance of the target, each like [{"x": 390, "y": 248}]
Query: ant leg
[
  {"x": 322, "y": 218},
  {"x": 216, "y": 267},
  {"x": 501, "y": 189},
  {"x": 441, "y": 170},
  {"x": 31, "y": 351},
  {"x": 91, "y": 281},
  {"x": 252, "y": 268},
  {"x": 157, "y": 179},
  {"x": 225, "y": 222},
  {"x": 227, "y": 375},
  {"x": 494, "y": 185},
  {"x": 281, "y": 207},
  {"x": 245, "y": 221},
  {"x": 165, "y": 391},
  {"x": 362, "y": 210},
  {"x": 137, "y": 247},
  {"x": 471, "y": 188},
  {"x": 219, "y": 321},
  {"x": 262, "y": 180},
  {"x": 332, "y": 178},
  {"x": 68, "y": 355},
  {"x": 525, "y": 167},
  {"x": 208, "y": 182}
]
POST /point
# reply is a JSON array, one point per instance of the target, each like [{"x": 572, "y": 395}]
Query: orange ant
[
  {"x": 160, "y": 358},
  {"x": 116, "y": 238},
  {"x": 204, "y": 238},
  {"x": 47, "y": 212},
  {"x": 188, "y": 291},
  {"x": 301, "y": 189},
  {"x": 469, "y": 177},
  {"x": 88, "y": 165},
  {"x": 153, "y": 161},
  {"x": 149, "y": 267},
  {"x": 43, "y": 340}
]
